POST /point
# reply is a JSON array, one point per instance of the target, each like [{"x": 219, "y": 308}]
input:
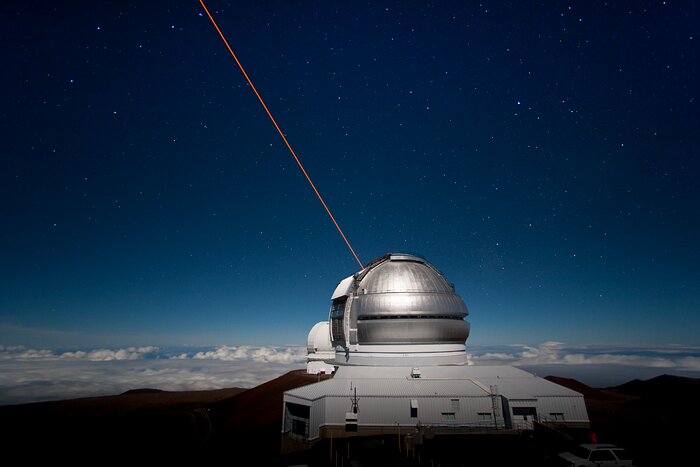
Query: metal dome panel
[
  {"x": 410, "y": 304},
  {"x": 398, "y": 299},
  {"x": 412, "y": 331},
  {"x": 404, "y": 276}
]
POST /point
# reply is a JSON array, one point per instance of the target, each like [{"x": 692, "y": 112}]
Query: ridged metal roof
[
  {"x": 407, "y": 387},
  {"x": 402, "y": 299},
  {"x": 403, "y": 273},
  {"x": 438, "y": 381}
]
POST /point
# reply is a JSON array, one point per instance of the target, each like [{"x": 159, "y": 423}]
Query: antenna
[
  {"x": 353, "y": 401},
  {"x": 351, "y": 417}
]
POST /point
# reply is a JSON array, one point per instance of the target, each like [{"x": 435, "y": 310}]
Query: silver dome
[{"x": 398, "y": 299}]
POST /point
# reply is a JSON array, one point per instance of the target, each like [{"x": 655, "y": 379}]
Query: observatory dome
[
  {"x": 398, "y": 305},
  {"x": 319, "y": 339},
  {"x": 321, "y": 354}
]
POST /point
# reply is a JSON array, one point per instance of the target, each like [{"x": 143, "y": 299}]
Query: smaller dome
[
  {"x": 319, "y": 339},
  {"x": 321, "y": 353}
]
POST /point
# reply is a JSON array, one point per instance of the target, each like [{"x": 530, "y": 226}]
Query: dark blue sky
[{"x": 544, "y": 156}]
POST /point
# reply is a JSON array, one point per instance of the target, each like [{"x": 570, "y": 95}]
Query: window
[
  {"x": 524, "y": 411},
  {"x": 337, "y": 315},
  {"x": 580, "y": 451},
  {"x": 599, "y": 456},
  {"x": 296, "y": 419},
  {"x": 454, "y": 403},
  {"x": 350, "y": 421},
  {"x": 298, "y": 410},
  {"x": 299, "y": 427},
  {"x": 622, "y": 455},
  {"x": 414, "y": 408},
  {"x": 557, "y": 416},
  {"x": 484, "y": 416},
  {"x": 448, "y": 416}
]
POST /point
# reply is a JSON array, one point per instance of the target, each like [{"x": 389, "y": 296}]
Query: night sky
[{"x": 543, "y": 155}]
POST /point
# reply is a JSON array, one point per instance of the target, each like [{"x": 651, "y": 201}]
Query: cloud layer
[
  {"x": 557, "y": 353},
  {"x": 256, "y": 354},
  {"x": 29, "y": 375},
  {"x": 98, "y": 355}
]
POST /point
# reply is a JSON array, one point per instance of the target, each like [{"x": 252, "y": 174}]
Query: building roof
[
  {"x": 407, "y": 387},
  {"x": 435, "y": 381}
]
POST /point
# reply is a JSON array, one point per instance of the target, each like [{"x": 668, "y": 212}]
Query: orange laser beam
[{"x": 274, "y": 122}]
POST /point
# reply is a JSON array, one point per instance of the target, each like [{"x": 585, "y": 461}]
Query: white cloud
[
  {"x": 605, "y": 359},
  {"x": 595, "y": 365},
  {"x": 103, "y": 355},
  {"x": 35, "y": 380},
  {"x": 494, "y": 358},
  {"x": 35, "y": 354},
  {"x": 284, "y": 355},
  {"x": 558, "y": 353},
  {"x": 689, "y": 363},
  {"x": 225, "y": 353},
  {"x": 28, "y": 375},
  {"x": 257, "y": 354},
  {"x": 129, "y": 353}
]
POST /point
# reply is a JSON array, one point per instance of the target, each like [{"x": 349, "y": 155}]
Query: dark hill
[
  {"x": 163, "y": 424},
  {"x": 588, "y": 392},
  {"x": 133, "y": 401},
  {"x": 647, "y": 417},
  {"x": 662, "y": 387},
  {"x": 157, "y": 424},
  {"x": 575, "y": 385},
  {"x": 141, "y": 391},
  {"x": 259, "y": 408},
  {"x": 254, "y": 418}
]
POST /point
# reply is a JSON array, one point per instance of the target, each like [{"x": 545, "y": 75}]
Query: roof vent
[{"x": 415, "y": 373}]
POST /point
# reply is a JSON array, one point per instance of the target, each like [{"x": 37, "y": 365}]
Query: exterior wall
[
  {"x": 296, "y": 400},
  {"x": 312, "y": 427},
  {"x": 523, "y": 422},
  {"x": 385, "y": 414},
  {"x": 318, "y": 415},
  {"x": 315, "y": 367},
  {"x": 383, "y": 411},
  {"x": 449, "y": 399},
  {"x": 573, "y": 408}
]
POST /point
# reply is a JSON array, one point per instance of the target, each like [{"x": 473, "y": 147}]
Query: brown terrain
[{"x": 654, "y": 419}]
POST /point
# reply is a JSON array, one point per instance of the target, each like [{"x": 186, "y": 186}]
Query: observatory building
[{"x": 395, "y": 342}]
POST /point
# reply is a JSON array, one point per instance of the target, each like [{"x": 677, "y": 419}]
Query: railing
[{"x": 466, "y": 428}]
